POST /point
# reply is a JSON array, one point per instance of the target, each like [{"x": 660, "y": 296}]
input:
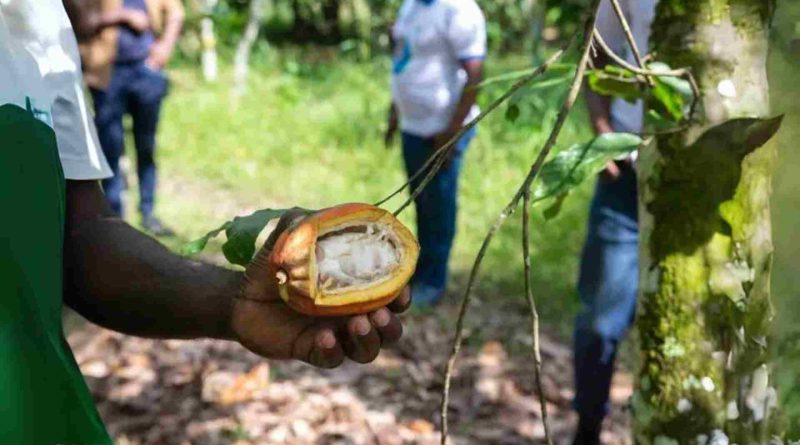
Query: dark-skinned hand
[{"x": 264, "y": 324}]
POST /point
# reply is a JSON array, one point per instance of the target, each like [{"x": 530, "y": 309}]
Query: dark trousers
[
  {"x": 137, "y": 90},
  {"x": 608, "y": 285},
  {"x": 436, "y": 208}
]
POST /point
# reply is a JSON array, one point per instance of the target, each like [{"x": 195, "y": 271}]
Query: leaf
[
  {"x": 241, "y": 232},
  {"x": 617, "y": 82},
  {"x": 199, "y": 244},
  {"x": 517, "y": 75},
  {"x": 553, "y": 211},
  {"x": 668, "y": 98},
  {"x": 512, "y": 112},
  {"x": 570, "y": 167}
]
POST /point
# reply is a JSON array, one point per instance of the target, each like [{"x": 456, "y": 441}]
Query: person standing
[
  {"x": 609, "y": 280},
  {"x": 439, "y": 49},
  {"x": 123, "y": 63}
]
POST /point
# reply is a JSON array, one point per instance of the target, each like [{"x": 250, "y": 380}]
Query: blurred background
[{"x": 305, "y": 128}]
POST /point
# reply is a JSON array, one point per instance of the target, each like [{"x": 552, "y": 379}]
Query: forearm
[
  {"x": 599, "y": 112},
  {"x": 469, "y": 96},
  {"x": 121, "y": 279},
  {"x": 172, "y": 30}
]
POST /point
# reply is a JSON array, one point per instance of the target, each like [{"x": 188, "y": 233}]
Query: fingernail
[
  {"x": 362, "y": 328},
  {"x": 381, "y": 318},
  {"x": 326, "y": 340}
]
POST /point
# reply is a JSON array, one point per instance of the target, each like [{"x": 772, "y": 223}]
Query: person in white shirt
[
  {"x": 439, "y": 50},
  {"x": 608, "y": 282}
]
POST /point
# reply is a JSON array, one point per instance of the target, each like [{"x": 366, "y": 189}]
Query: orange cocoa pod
[{"x": 345, "y": 260}]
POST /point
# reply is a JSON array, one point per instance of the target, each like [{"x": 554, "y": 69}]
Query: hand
[
  {"x": 160, "y": 53},
  {"x": 137, "y": 20},
  {"x": 391, "y": 129},
  {"x": 613, "y": 169},
  {"x": 441, "y": 139},
  {"x": 264, "y": 324}
]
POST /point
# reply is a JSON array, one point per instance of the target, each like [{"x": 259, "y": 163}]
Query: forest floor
[{"x": 211, "y": 392}]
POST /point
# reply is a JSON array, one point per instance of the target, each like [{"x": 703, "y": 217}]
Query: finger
[
  {"x": 402, "y": 302},
  {"x": 387, "y": 324},
  {"x": 611, "y": 171},
  {"x": 318, "y": 346},
  {"x": 363, "y": 341}
]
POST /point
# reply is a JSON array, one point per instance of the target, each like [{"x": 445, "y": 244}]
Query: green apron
[{"x": 43, "y": 397}]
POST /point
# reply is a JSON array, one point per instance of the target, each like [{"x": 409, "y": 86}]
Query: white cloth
[
  {"x": 40, "y": 70},
  {"x": 626, "y": 116},
  {"x": 433, "y": 39}
]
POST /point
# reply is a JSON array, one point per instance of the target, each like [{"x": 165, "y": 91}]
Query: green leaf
[
  {"x": 199, "y": 244},
  {"x": 512, "y": 112},
  {"x": 241, "y": 232},
  {"x": 669, "y": 99},
  {"x": 570, "y": 167},
  {"x": 555, "y": 68},
  {"x": 554, "y": 209},
  {"x": 617, "y": 82}
]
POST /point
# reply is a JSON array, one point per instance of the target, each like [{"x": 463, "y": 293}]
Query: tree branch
[
  {"x": 566, "y": 107},
  {"x": 537, "y": 355},
  {"x": 629, "y": 36}
]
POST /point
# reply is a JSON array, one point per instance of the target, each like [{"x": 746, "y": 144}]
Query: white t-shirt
[
  {"x": 433, "y": 38},
  {"x": 40, "y": 70},
  {"x": 626, "y": 116}
]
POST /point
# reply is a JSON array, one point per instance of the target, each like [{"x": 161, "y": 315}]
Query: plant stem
[
  {"x": 537, "y": 355},
  {"x": 569, "y": 102}
]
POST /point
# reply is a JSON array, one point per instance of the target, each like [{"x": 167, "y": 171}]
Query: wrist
[{"x": 228, "y": 291}]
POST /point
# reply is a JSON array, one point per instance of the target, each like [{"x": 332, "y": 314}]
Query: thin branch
[
  {"x": 569, "y": 102},
  {"x": 631, "y": 40},
  {"x": 537, "y": 355},
  {"x": 682, "y": 73},
  {"x": 442, "y": 151}
]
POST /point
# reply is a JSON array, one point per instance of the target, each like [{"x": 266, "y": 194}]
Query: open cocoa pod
[{"x": 345, "y": 260}]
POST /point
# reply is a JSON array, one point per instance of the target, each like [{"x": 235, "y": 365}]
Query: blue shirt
[{"x": 133, "y": 47}]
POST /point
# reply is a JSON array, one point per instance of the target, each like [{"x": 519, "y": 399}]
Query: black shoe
[
  {"x": 588, "y": 433},
  {"x": 154, "y": 226}
]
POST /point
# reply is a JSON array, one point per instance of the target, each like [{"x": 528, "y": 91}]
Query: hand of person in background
[
  {"x": 441, "y": 139},
  {"x": 136, "y": 20},
  {"x": 391, "y": 126},
  {"x": 160, "y": 54},
  {"x": 266, "y": 325}
]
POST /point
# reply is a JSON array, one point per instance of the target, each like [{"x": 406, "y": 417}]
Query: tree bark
[
  {"x": 705, "y": 315},
  {"x": 208, "y": 58},
  {"x": 241, "y": 61}
]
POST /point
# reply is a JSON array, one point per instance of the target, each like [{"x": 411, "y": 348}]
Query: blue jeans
[
  {"x": 436, "y": 208},
  {"x": 607, "y": 285},
  {"x": 139, "y": 91}
]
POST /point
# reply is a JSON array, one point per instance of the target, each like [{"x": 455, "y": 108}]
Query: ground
[{"x": 214, "y": 392}]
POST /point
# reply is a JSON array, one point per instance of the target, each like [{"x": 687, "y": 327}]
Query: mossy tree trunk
[{"x": 705, "y": 315}]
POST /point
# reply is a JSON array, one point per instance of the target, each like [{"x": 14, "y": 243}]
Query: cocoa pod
[{"x": 344, "y": 260}]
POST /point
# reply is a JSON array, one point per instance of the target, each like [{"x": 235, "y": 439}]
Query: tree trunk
[
  {"x": 243, "y": 49},
  {"x": 706, "y": 252},
  {"x": 208, "y": 58}
]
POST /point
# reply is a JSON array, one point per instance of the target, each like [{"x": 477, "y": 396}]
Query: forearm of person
[
  {"x": 599, "y": 106},
  {"x": 121, "y": 279},
  {"x": 172, "y": 30},
  {"x": 469, "y": 95}
]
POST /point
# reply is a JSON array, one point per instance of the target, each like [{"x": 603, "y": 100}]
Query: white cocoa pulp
[{"x": 356, "y": 257}]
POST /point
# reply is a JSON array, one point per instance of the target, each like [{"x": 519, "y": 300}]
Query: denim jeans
[
  {"x": 138, "y": 90},
  {"x": 436, "y": 208},
  {"x": 608, "y": 285}
]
